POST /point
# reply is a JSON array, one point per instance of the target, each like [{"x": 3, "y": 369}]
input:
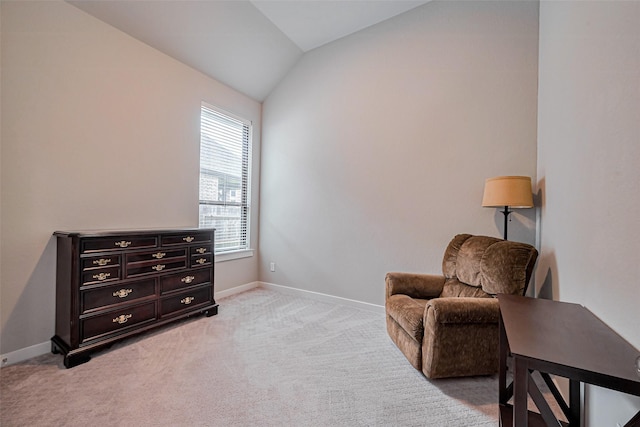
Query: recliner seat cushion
[{"x": 454, "y": 288}]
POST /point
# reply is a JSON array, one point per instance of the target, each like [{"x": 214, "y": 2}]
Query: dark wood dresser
[{"x": 111, "y": 285}]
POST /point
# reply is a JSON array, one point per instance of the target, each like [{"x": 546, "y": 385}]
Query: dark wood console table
[{"x": 558, "y": 338}]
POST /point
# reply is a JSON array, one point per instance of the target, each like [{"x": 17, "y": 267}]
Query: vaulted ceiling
[{"x": 248, "y": 45}]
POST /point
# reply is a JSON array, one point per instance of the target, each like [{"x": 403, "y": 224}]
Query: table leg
[
  {"x": 520, "y": 387},
  {"x": 574, "y": 403},
  {"x": 503, "y": 396}
]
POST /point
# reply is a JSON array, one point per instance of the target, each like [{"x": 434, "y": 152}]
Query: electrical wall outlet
[{"x": 272, "y": 266}]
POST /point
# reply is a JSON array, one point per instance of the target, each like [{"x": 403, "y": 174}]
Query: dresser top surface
[{"x": 122, "y": 232}]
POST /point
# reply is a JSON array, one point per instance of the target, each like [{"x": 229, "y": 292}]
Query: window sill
[{"x": 230, "y": 256}]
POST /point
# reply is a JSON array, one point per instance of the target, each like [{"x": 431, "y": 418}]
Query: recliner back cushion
[
  {"x": 471, "y": 259},
  {"x": 451, "y": 255},
  {"x": 495, "y": 265}
]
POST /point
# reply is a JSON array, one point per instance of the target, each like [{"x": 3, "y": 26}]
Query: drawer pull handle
[
  {"x": 123, "y": 244},
  {"x": 102, "y": 261},
  {"x": 187, "y": 300},
  {"x": 122, "y": 293},
  {"x": 188, "y": 239},
  {"x": 102, "y": 276},
  {"x": 159, "y": 255},
  {"x": 201, "y": 250},
  {"x": 188, "y": 279},
  {"x": 201, "y": 260},
  {"x": 158, "y": 267},
  {"x": 122, "y": 318}
]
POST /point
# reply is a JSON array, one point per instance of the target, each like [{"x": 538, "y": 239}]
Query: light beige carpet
[{"x": 267, "y": 359}]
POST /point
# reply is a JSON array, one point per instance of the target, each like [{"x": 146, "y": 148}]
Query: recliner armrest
[
  {"x": 414, "y": 285},
  {"x": 463, "y": 310}
]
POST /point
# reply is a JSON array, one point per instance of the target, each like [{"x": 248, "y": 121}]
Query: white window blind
[{"x": 225, "y": 159}]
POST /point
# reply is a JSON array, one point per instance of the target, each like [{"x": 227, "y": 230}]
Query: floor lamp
[{"x": 507, "y": 191}]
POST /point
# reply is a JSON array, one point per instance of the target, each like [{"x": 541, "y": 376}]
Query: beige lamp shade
[{"x": 512, "y": 191}]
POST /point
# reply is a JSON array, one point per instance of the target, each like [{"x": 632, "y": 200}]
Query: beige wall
[
  {"x": 376, "y": 147},
  {"x": 588, "y": 158},
  {"x": 376, "y": 150},
  {"x": 98, "y": 131}
]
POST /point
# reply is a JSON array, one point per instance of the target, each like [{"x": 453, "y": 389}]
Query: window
[{"x": 225, "y": 159}]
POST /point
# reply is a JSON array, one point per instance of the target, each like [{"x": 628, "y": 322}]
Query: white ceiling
[
  {"x": 313, "y": 23},
  {"x": 248, "y": 45}
]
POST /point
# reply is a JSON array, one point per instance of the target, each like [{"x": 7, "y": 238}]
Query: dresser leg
[
  {"x": 211, "y": 312},
  {"x": 54, "y": 349},
  {"x": 75, "y": 360}
]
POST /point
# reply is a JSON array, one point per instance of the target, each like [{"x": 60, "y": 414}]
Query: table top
[{"x": 571, "y": 338}]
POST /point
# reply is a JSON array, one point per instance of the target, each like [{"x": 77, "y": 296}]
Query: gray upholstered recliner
[{"x": 447, "y": 326}]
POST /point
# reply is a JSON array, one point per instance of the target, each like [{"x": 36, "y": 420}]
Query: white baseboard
[
  {"x": 325, "y": 297},
  {"x": 25, "y": 353},
  {"x": 45, "y": 347},
  {"x": 235, "y": 290}
]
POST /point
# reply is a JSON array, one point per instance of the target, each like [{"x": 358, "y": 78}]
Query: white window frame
[{"x": 245, "y": 250}]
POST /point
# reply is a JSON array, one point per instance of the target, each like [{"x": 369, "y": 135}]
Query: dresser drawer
[
  {"x": 185, "y": 301},
  {"x": 100, "y": 261},
  {"x": 140, "y": 268},
  {"x": 184, "y": 238},
  {"x": 118, "y": 242},
  {"x": 99, "y": 275},
  {"x": 201, "y": 260},
  {"x": 175, "y": 282},
  {"x": 156, "y": 255},
  {"x": 200, "y": 250},
  {"x": 117, "y": 294},
  {"x": 116, "y": 320}
]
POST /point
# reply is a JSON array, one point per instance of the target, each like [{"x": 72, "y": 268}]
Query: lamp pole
[{"x": 506, "y": 213}]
